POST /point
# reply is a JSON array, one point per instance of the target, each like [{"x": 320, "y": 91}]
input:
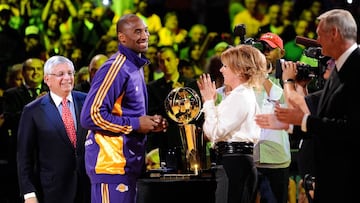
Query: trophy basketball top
[{"x": 183, "y": 105}]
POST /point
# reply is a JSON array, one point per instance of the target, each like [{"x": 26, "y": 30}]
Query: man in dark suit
[
  {"x": 14, "y": 101},
  {"x": 50, "y": 167},
  {"x": 336, "y": 118}
]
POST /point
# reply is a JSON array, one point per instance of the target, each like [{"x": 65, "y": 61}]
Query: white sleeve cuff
[
  {"x": 29, "y": 195},
  {"x": 303, "y": 123}
]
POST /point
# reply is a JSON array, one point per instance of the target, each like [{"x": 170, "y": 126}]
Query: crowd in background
[{"x": 82, "y": 29}]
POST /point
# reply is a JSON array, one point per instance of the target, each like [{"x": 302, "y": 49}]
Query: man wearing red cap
[
  {"x": 272, "y": 153},
  {"x": 272, "y": 39}
]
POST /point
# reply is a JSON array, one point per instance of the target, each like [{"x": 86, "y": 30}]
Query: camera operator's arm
[{"x": 294, "y": 90}]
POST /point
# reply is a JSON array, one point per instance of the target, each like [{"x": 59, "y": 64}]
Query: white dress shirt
[{"x": 233, "y": 120}]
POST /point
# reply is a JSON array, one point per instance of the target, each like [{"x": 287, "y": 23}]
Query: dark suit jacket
[
  {"x": 305, "y": 156},
  {"x": 335, "y": 127},
  {"x": 48, "y": 164}
]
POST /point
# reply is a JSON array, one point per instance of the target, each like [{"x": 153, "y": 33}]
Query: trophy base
[{"x": 164, "y": 173}]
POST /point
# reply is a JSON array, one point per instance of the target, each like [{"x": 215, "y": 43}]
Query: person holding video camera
[
  {"x": 336, "y": 118},
  {"x": 272, "y": 153}
]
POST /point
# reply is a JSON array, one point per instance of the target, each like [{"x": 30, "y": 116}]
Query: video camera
[
  {"x": 240, "y": 31},
  {"x": 306, "y": 72}
]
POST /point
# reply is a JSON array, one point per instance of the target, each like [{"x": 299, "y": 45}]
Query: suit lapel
[
  {"x": 55, "y": 118},
  {"x": 331, "y": 85}
]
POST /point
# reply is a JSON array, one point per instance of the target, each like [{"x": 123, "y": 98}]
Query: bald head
[{"x": 96, "y": 63}]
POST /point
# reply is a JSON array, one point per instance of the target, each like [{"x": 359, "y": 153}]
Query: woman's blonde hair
[{"x": 247, "y": 62}]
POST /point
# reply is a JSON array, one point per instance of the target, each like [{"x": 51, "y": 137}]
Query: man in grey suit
[{"x": 50, "y": 167}]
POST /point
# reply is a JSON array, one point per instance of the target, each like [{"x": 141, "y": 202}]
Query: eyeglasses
[{"x": 62, "y": 74}]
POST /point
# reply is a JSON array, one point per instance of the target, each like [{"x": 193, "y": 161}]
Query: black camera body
[
  {"x": 240, "y": 31},
  {"x": 304, "y": 71},
  {"x": 308, "y": 182}
]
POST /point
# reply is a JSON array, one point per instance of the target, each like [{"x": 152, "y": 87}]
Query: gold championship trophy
[{"x": 183, "y": 105}]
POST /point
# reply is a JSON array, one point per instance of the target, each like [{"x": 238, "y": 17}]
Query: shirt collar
[
  {"x": 57, "y": 99},
  {"x": 341, "y": 60}
]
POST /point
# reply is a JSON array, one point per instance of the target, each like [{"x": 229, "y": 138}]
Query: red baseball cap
[{"x": 272, "y": 39}]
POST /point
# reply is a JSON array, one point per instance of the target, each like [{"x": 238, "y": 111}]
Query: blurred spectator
[
  {"x": 235, "y": 7},
  {"x": 12, "y": 43},
  {"x": 316, "y": 8},
  {"x": 33, "y": 43},
  {"x": 287, "y": 18},
  {"x": 186, "y": 69},
  {"x": 93, "y": 66},
  {"x": 30, "y": 12},
  {"x": 51, "y": 34},
  {"x": 171, "y": 34},
  {"x": 95, "y": 63},
  {"x": 196, "y": 59},
  {"x": 87, "y": 30},
  {"x": 108, "y": 42},
  {"x": 152, "y": 71},
  {"x": 65, "y": 10},
  {"x": 82, "y": 75},
  {"x": 77, "y": 58},
  {"x": 251, "y": 17},
  {"x": 14, "y": 77},
  {"x": 308, "y": 16},
  {"x": 150, "y": 18},
  {"x": 15, "y": 19},
  {"x": 111, "y": 47},
  {"x": 287, "y": 15},
  {"x": 218, "y": 48},
  {"x": 67, "y": 45},
  {"x": 196, "y": 34},
  {"x": 153, "y": 39},
  {"x": 274, "y": 25},
  {"x": 104, "y": 15}
]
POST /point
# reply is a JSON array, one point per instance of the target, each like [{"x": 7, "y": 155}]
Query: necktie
[
  {"x": 68, "y": 122},
  {"x": 332, "y": 78}
]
